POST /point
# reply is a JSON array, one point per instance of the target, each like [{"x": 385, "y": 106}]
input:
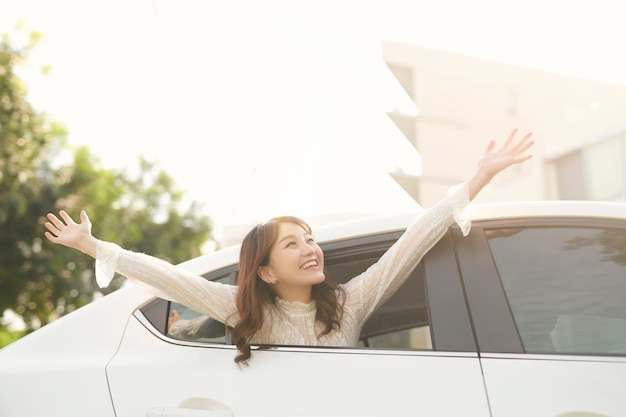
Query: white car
[{"x": 524, "y": 317}]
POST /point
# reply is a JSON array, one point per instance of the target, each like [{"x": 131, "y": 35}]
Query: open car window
[{"x": 402, "y": 322}]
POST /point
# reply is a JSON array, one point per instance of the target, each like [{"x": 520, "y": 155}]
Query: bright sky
[{"x": 263, "y": 108}]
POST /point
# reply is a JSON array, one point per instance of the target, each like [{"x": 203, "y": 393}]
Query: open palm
[
  {"x": 510, "y": 153},
  {"x": 65, "y": 231}
]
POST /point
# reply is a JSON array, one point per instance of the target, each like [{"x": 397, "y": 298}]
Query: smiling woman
[
  {"x": 282, "y": 295},
  {"x": 290, "y": 265}
]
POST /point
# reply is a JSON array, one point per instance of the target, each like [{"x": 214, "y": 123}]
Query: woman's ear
[{"x": 266, "y": 274}]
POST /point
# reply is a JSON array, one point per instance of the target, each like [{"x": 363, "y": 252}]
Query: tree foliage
[{"x": 142, "y": 209}]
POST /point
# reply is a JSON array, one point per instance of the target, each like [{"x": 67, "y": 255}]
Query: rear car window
[{"x": 566, "y": 287}]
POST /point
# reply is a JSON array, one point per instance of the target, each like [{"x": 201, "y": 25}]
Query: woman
[{"x": 282, "y": 295}]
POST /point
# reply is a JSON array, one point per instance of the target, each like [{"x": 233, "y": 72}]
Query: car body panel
[
  {"x": 60, "y": 368},
  {"x": 293, "y": 381},
  {"x": 555, "y": 386}
]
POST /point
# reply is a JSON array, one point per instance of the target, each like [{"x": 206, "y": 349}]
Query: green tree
[{"x": 141, "y": 210}]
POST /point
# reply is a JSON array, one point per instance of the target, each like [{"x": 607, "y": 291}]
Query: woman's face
[{"x": 296, "y": 263}]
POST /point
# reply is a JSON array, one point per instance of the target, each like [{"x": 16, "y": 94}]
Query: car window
[
  {"x": 565, "y": 286},
  {"x": 402, "y": 322}
]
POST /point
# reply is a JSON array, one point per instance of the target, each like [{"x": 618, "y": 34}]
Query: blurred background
[{"x": 179, "y": 125}]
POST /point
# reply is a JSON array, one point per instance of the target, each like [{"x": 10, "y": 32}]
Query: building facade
[{"x": 463, "y": 102}]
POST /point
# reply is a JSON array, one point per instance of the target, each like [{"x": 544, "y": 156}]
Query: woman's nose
[{"x": 308, "y": 248}]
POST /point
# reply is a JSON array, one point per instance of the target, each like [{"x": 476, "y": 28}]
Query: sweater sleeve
[
  {"x": 368, "y": 291},
  {"x": 164, "y": 280}
]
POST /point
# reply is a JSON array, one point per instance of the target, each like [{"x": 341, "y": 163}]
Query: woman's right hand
[{"x": 65, "y": 231}]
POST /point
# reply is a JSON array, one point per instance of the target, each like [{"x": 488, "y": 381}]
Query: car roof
[{"x": 395, "y": 222}]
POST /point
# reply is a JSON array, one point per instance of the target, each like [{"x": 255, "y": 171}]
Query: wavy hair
[{"x": 254, "y": 295}]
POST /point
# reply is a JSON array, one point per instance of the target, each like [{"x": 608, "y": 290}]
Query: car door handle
[{"x": 186, "y": 412}]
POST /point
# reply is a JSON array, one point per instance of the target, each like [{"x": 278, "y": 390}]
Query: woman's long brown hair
[{"x": 255, "y": 295}]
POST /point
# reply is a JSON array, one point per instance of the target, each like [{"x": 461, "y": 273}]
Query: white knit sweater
[{"x": 294, "y": 323}]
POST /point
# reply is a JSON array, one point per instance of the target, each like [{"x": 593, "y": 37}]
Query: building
[{"x": 462, "y": 102}]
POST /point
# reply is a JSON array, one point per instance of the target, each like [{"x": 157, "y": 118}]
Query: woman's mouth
[{"x": 309, "y": 264}]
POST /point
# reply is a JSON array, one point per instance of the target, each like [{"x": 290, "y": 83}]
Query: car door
[
  {"x": 417, "y": 356},
  {"x": 548, "y": 302}
]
